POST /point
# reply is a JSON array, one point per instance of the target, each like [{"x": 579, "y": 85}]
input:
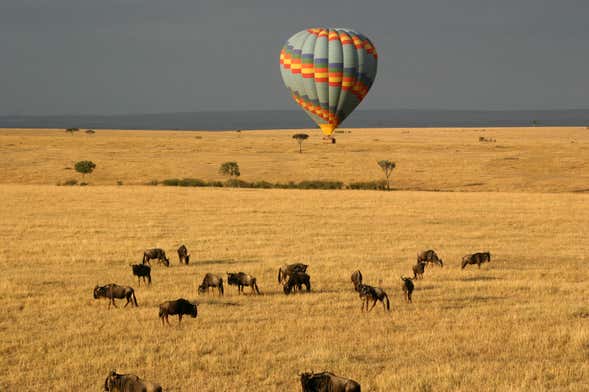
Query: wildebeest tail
[
  {"x": 279, "y": 275},
  {"x": 221, "y": 286},
  {"x": 134, "y": 298},
  {"x": 255, "y": 285},
  {"x": 386, "y": 297},
  {"x": 162, "y": 312}
]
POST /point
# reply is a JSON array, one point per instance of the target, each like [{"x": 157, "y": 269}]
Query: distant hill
[{"x": 278, "y": 119}]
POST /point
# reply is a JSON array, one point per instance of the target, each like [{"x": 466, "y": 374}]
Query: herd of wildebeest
[{"x": 292, "y": 277}]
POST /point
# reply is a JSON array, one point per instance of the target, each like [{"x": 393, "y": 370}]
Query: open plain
[{"x": 520, "y": 323}]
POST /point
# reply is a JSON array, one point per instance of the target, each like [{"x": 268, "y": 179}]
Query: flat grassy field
[
  {"x": 520, "y": 323},
  {"x": 520, "y": 160}
]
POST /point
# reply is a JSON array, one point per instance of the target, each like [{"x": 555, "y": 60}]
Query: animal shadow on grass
[
  {"x": 218, "y": 302},
  {"x": 478, "y": 278},
  {"x": 466, "y": 302},
  {"x": 223, "y": 262}
]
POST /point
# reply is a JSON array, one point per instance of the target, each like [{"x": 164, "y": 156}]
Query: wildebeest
[
  {"x": 183, "y": 254},
  {"x": 328, "y": 382},
  {"x": 128, "y": 383},
  {"x": 297, "y": 280},
  {"x": 241, "y": 279},
  {"x": 156, "y": 253},
  {"x": 287, "y": 270},
  {"x": 112, "y": 291},
  {"x": 476, "y": 258},
  {"x": 142, "y": 271},
  {"x": 357, "y": 279},
  {"x": 211, "y": 280},
  {"x": 179, "y": 307},
  {"x": 418, "y": 270},
  {"x": 368, "y": 293},
  {"x": 407, "y": 287},
  {"x": 429, "y": 256}
]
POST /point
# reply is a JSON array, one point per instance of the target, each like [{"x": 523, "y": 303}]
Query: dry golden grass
[
  {"x": 522, "y": 159},
  {"x": 519, "y": 323}
]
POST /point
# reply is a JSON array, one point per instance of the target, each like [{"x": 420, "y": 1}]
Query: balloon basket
[{"x": 328, "y": 140}]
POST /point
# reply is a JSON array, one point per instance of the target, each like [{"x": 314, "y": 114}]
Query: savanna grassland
[{"x": 520, "y": 323}]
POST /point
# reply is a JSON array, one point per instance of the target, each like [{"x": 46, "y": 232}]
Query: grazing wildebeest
[
  {"x": 179, "y": 307},
  {"x": 328, "y": 382},
  {"x": 368, "y": 293},
  {"x": 357, "y": 279},
  {"x": 418, "y": 270},
  {"x": 287, "y": 270},
  {"x": 241, "y": 279},
  {"x": 476, "y": 258},
  {"x": 128, "y": 383},
  {"x": 155, "y": 253},
  {"x": 142, "y": 271},
  {"x": 429, "y": 256},
  {"x": 183, "y": 254},
  {"x": 297, "y": 279},
  {"x": 407, "y": 287},
  {"x": 211, "y": 280},
  {"x": 112, "y": 291}
]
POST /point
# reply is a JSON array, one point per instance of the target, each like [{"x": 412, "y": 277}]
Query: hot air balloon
[{"x": 328, "y": 72}]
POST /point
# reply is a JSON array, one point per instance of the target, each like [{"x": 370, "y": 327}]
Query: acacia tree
[
  {"x": 230, "y": 169},
  {"x": 300, "y": 137},
  {"x": 387, "y": 168},
  {"x": 85, "y": 167}
]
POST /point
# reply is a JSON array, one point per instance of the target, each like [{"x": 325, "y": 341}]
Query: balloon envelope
[{"x": 328, "y": 72}]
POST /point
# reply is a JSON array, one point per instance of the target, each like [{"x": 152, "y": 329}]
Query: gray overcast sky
[{"x": 153, "y": 56}]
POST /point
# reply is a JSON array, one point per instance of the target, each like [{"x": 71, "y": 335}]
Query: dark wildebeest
[
  {"x": 183, "y": 255},
  {"x": 418, "y": 270},
  {"x": 112, "y": 291},
  {"x": 357, "y": 279},
  {"x": 241, "y": 279},
  {"x": 297, "y": 279},
  {"x": 128, "y": 383},
  {"x": 476, "y": 258},
  {"x": 142, "y": 271},
  {"x": 429, "y": 256},
  {"x": 155, "y": 253},
  {"x": 179, "y": 307},
  {"x": 327, "y": 382},
  {"x": 368, "y": 293},
  {"x": 211, "y": 280},
  {"x": 287, "y": 270},
  {"x": 407, "y": 287}
]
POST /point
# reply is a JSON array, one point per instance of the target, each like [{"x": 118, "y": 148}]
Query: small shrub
[
  {"x": 198, "y": 137},
  {"x": 262, "y": 185},
  {"x": 171, "y": 182},
  {"x": 369, "y": 185},
  {"x": 218, "y": 184},
  {"x": 90, "y": 131},
  {"x": 85, "y": 167},
  {"x": 320, "y": 185},
  {"x": 192, "y": 182},
  {"x": 70, "y": 182},
  {"x": 83, "y": 183},
  {"x": 237, "y": 183},
  {"x": 230, "y": 169},
  {"x": 119, "y": 182}
]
